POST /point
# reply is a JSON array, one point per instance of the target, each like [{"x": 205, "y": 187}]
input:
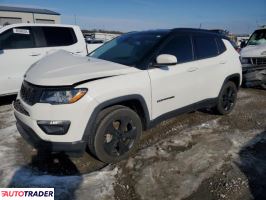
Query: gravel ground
[{"x": 193, "y": 156}]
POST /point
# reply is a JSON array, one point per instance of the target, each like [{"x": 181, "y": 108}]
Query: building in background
[{"x": 13, "y": 15}]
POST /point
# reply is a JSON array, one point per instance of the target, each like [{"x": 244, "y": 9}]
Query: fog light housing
[{"x": 54, "y": 127}]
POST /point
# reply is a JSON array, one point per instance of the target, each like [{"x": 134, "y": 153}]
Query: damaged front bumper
[{"x": 254, "y": 76}]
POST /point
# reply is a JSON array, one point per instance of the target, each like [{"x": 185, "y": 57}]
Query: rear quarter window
[
  {"x": 220, "y": 45},
  {"x": 205, "y": 46},
  {"x": 59, "y": 36}
]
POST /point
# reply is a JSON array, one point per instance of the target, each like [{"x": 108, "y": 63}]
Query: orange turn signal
[{"x": 78, "y": 96}]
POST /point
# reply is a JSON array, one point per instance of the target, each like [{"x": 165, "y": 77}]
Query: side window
[
  {"x": 17, "y": 38},
  {"x": 205, "y": 47},
  {"x": 179, "y": 46},
  {"x": 59, "y": 36},
  {"x": 220, "y": 45}
]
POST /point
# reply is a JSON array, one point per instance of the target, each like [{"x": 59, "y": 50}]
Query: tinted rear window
[
  {"x": 220, "y": 45},
  {"x": 205, "y": 47},
  {"x": 179, "y": 46},
  {"x": 59, "y": 36}
]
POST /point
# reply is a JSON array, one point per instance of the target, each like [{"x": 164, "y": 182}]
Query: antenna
[{"x": 200, "y": 25}]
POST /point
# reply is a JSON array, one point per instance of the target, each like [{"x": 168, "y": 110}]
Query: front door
[{"x": 179, "y": 85}]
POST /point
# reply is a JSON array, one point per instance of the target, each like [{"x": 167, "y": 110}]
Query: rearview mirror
[{"x": 165, "y": 60}]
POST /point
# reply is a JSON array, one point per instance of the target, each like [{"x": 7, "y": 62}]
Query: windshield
[
  {"x": 128, "y": 49},
  {"x": 258, "y": 37}
]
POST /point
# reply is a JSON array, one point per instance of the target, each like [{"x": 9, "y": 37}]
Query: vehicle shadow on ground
[
  {"x": 7, "y": 100},
  {"x": 49, "y": 171},
  {"x": 253, "y": 165}
]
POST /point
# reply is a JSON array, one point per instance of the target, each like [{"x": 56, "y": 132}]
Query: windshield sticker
[{"x": 21, "y": 31}]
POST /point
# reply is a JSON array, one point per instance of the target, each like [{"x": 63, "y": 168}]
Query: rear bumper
[{"x": 71, "y": 148}]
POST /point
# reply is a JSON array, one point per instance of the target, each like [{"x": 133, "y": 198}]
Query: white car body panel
[
  {"x": 189, "y": 83},
  {"x": 185, "y": 81},
  {"x": 78, "y": 118},
  {"x": 63, "y": 68},
  {"x": 15, "y": 62},
  {"x": 256, "y": 51}
]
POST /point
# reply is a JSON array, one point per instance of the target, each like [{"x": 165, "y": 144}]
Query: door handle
[
  {"x": 35, "y": 54},
  {"x": 79, "y": 51},
  {"x": 192, "y": 69},
  {"x": 222, "y": 62}
]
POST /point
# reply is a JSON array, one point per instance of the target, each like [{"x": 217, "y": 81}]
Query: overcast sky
[{"x": 237, "y": 16}]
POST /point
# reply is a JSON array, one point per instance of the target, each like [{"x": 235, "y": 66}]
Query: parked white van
[
  {"x": 253, "y": 58},
  {"x": 21, "y": 45}
]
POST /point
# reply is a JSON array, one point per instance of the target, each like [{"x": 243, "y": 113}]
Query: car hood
[
  {"x": 63, "y": 68},
  {"x": 254, "y": 51}
]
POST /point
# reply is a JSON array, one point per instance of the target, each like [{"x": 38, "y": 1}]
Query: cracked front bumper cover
[{"x": 254, "y": 76}]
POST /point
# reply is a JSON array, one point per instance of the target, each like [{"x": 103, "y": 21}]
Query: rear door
[
  {"x": 210, "y": 61},
  {"x": 18, "y": 52}
]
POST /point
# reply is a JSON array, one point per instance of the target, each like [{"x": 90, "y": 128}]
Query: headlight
[
  {"x": 245, "y": 60},
  {"x": 62, "y": 96}
]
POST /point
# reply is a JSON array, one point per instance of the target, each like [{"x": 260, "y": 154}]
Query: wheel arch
[
  {"x": 135, "y": 102},
  {"x": 235, "y": 78}
]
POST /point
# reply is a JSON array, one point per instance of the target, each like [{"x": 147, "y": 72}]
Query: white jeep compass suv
[{"x": 105, "y": 101}]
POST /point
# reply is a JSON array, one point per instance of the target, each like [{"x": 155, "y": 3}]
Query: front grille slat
[{"x": 258, "y": 61}]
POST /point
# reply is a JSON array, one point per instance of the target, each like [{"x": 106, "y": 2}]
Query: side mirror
[
  {"x": 243, "y": 44},
  {"x": 1, "y": 51},
  {"x": 165, "y": 60}
]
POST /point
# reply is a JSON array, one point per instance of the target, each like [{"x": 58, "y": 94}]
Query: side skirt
[{"x": 207, "y": 103}]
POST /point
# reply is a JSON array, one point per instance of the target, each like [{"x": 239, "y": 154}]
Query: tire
[
  {"x": 227, "y": 99},
  {"x": 116, "y": 135}
]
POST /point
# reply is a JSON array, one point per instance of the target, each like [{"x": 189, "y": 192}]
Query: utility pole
[
  {"x": 75, "y": 18},
  {"x": 33, "y": 18}
]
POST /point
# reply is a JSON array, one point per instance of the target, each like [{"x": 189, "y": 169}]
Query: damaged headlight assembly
[{"x": 62, "y": 96}]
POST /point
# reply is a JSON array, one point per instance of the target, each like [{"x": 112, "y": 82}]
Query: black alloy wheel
[
  {"x": 118, "y": 131},
  {"x": 120, "y": 136},
  {"x": 227, "y": 98}
]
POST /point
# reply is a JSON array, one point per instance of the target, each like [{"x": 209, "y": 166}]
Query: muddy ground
[{"x": 193, "y": 156}]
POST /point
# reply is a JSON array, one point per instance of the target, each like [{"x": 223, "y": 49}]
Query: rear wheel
[
  {"x": 117, "y": 134},
  {"x": 227, "y": 98}
]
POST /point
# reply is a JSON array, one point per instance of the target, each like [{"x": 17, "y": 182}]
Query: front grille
[
  {"x": 258, "y": 61},
  {"x": 17, "y": 105},
  {"x": 29, "y": 93}
]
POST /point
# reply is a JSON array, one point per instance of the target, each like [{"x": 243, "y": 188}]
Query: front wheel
[
  {"x": 117, "y": 135},
  {"x": 227, "y": 99}
]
